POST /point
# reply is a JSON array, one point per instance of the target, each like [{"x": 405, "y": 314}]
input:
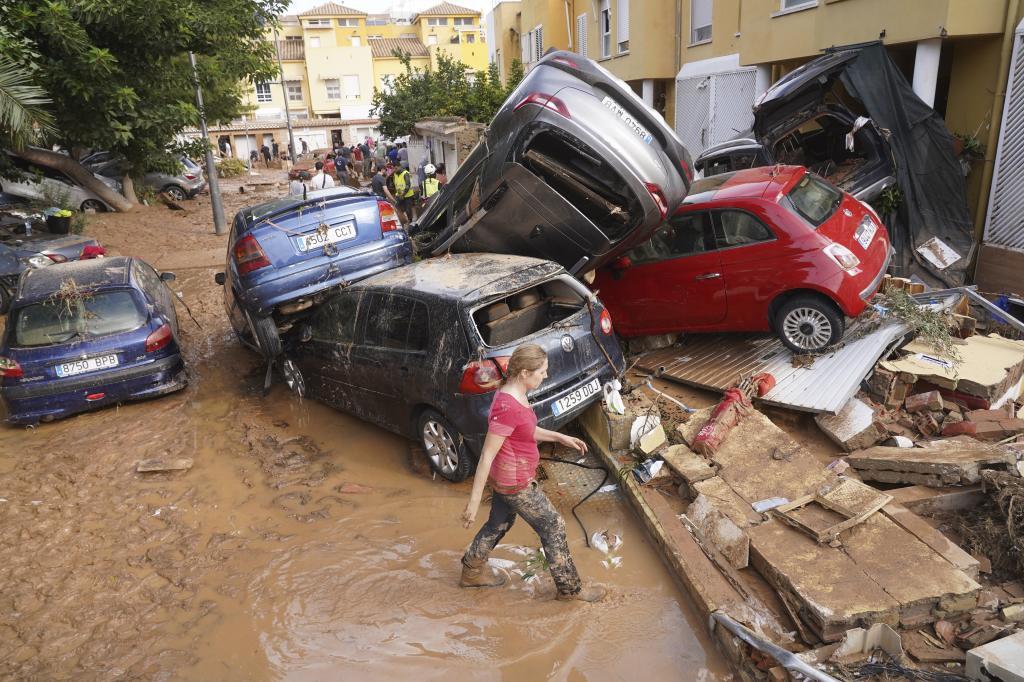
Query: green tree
[
  {"x": 119, "y": 76},
  {"x": 23, "y": 116},
  {"x": 445, "y": 91}
]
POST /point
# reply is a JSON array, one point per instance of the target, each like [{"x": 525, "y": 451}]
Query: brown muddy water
[{"x": 304, "y": 544}]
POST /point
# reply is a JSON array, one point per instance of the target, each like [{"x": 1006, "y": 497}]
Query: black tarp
[{"x": 934, "y": 193}]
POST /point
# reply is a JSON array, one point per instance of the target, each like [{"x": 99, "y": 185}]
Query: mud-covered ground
[{"x": 303, "y": 543}]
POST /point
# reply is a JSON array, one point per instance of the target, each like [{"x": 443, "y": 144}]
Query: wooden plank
[{"x": 999, "y": 270}]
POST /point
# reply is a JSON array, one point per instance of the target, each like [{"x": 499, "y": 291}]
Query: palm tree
[{"x": 23, "y": 117}]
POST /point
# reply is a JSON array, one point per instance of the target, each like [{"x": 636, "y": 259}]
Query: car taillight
[
  {"x": 606, "y": 322},
  {"x": 659, "y": 198},
  {"x": 388, "y": 217},
  {"x": 10, "y": 368},
  {"x": 249, "y": 255},
  {"x": 92, "y": 251},
  {"x": 483, "y": 376},
  {"x": 189, "y": 176},
  {"x": 549, "y": 101},
  {"x": 687, "y": 171},
  {"x": 158, "y": 339},
  {"x": 57, "y": 258},
  {"x": 566, "y": 61},
  {"x": 843, "y": 257}
]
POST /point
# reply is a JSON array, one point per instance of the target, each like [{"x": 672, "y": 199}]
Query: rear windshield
[
  {"x": 814, "y": 199},
  {"x": 61, "y": 320}
]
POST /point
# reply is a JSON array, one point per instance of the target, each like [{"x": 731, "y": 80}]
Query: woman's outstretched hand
[{"x": 576, "y": 444}]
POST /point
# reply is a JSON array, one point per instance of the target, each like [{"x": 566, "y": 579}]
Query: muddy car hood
[{"x": 801, "y": 89}]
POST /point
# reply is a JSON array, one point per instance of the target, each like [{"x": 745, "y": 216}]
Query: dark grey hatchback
[{"x": 421, "y": 349}]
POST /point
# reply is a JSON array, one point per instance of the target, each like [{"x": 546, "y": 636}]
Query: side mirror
[
  {"x": 167, "y": 276},
  {"x": 219, "y": 278},
  {"x": 305, "y": 333}
]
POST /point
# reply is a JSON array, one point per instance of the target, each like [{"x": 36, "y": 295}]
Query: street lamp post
[
  {"x": 284, "y": 91},
  {"x": 211, "y": 169}
]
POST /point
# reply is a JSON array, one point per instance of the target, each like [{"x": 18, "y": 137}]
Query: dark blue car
[
  {"x": 86, "y": 334},
  {"x": 285, "y": 256}
]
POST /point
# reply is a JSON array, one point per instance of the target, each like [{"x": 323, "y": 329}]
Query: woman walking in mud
[{"x": 508, "y": 462}]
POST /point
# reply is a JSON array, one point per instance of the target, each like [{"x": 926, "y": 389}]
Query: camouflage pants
[{"x": 536, "y": 510}]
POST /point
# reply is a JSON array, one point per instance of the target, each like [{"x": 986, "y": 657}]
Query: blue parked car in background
[
  {"x": 286, "y": 256},
  {"x": 86, "y": 334}
]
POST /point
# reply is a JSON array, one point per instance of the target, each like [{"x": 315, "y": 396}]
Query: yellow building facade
[
  {"x": 701, "y": 63},
  {"x": 333, "y": 57}
]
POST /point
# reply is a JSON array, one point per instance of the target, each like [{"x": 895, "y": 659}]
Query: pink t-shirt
[{"x": 515, "y": 465}]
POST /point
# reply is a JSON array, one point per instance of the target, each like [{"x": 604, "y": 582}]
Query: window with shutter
[
  {"x": 622, "y": 26},
  {"x": 605, "y": 28},
  {"x": 352, "y": 86},
  {"x": 581, "y": 34}
]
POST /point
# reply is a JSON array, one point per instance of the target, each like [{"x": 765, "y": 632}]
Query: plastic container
[{"x": 57, "y": 225}]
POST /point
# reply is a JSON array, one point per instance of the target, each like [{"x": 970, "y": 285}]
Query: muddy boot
[
  {"x": 480, "y": 575},
  {"x": 589, "y": 593}
]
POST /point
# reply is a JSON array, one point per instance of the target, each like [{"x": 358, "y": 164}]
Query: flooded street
[{"x": 302, "y": 544}]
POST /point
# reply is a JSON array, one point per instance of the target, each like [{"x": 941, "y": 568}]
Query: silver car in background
[{"x": 574, "y": 168}]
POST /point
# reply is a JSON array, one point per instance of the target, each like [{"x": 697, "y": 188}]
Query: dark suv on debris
[{"x": 421, "y": 349}]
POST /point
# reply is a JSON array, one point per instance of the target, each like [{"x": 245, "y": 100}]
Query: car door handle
[{"x": 709, "y": 275}]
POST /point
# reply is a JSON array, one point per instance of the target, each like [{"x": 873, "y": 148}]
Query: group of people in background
[{"x": 386, "y": 167}]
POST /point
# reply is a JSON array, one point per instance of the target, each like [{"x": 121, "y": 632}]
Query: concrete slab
[
  {"x": 959, "y": 465},
  {"x": 1002, "y": 660},
  {"x": 931, "y": 536},
  {"x": 715, "y": 528},
  {"x": 688, "y": 464}
]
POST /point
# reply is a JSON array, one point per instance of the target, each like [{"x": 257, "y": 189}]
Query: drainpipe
[
  {"x": 997, "y": 115},
  {"x": 568, "y": 25}
]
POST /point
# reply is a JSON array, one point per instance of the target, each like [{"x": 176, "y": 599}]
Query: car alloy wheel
[
  {"x": 807, "y": 328},
  {"x": 441, "y": 447},
  {"x": 176, "y": 193},
  {"x": 293, "y": 378}
]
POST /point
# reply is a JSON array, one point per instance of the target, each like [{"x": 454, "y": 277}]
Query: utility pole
[
  {"x": 211, "y": 169},
  {"x": 284, "y": 91}
]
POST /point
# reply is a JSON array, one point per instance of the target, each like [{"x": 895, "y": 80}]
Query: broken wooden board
[
  {"x": 989, "y": 366},
  {"x": 929, "y": 466},
  {"x": 849, "y": 500},
  {"x": 155, "y": 465}
]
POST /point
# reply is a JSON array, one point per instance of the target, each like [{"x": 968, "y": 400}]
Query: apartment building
[
  {"x": 702, "y": 63},
  {"x": 332, "y": 59}
]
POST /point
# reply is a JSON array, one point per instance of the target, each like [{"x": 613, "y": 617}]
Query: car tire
[
  {"x": 94, "y": 204},
  {"x": 809, "y": 324},
  {"x": 446, "y": 450},
  {"x": 174, "y": 192},
  {"x": 265, "y": 335},
  {"x": 293, "y": 377}
]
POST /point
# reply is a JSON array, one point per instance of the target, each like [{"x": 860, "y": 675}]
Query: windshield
[
  {"x": 814, "y": 199},
  {"x": 62, "y": 319}
]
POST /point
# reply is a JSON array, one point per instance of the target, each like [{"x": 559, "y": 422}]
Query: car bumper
[
  {"x": 196, "y": 190},
  {"x": 261, "y": 299},
  {"x": 43, "y": 401},
  {"x": 872, "y": 287}
]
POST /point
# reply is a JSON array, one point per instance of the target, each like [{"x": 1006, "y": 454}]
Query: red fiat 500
[{"x": 775, "y": 248}]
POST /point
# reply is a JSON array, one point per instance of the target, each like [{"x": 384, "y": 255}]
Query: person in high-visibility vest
[
  {"x": 404, "y": 191},
  {"x": 430, "y": 183}
]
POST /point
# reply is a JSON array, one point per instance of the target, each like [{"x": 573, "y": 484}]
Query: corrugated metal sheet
[{"x": 720, "y": 361}]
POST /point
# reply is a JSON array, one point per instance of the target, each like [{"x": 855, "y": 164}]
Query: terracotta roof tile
[
  {"x": 382, "y": 48},
  {"x": 332, "y": 9},
  {"x": 445, "y": 9}
]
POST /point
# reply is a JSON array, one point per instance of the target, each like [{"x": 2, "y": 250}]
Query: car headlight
[{"x": 38, "y": 261}]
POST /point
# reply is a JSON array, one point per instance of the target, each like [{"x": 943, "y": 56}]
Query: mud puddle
[{"x": 302, "y": 543}]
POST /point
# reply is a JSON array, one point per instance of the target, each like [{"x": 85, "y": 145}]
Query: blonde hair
[{"x": 529, "y": 357}]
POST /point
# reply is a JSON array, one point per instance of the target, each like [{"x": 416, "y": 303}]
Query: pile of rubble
[{"x": 818, "y": 554}]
